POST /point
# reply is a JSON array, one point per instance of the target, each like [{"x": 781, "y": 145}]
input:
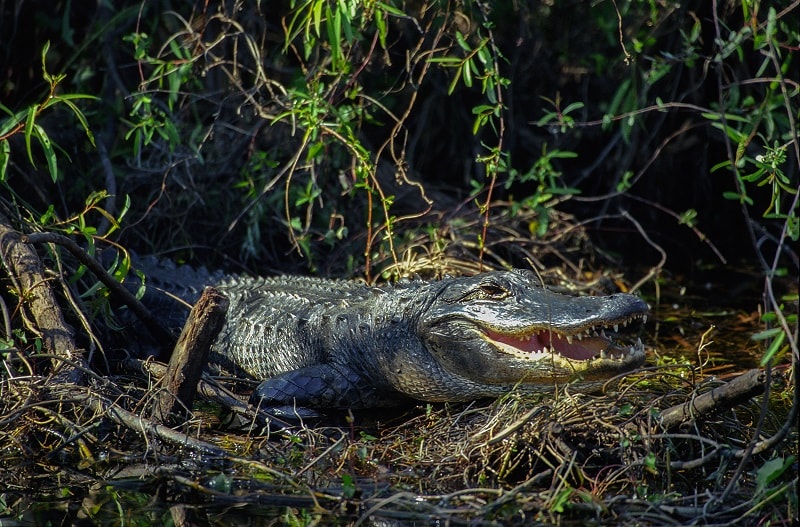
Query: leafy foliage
[{"x": 24, "y": 121}]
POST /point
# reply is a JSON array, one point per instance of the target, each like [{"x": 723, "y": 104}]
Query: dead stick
[
  {"x": 730, "y": 394},
  {"x": 126, "y": 297},
  {"x": 191, "y": 354},
  {"x": 145, "y": 427}
]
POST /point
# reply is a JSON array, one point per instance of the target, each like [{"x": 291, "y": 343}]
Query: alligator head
[{"x": 505, "y": 328}]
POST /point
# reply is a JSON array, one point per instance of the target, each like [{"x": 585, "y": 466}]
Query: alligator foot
[{"x": 293, "y": 394}]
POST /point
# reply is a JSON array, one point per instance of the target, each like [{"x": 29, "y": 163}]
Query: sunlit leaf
[
  {"x": 49, "y": 153},
  {"x": 317, "y": 15},
  {"x": 46, "y": 75},
  {"x": 81, "y": 118},
  {"x": 29, "y": 122},
  {"x": 390, "y": 9},
  {"x": 773, "y": 349}
]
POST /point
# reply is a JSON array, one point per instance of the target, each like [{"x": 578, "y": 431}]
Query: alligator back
[{"x": 280, "y": 324}]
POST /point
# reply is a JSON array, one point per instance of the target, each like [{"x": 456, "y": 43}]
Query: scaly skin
[{"x": 320, "y": 343}]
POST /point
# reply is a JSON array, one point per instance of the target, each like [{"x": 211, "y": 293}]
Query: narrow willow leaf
[
  {"x": 467, "y": 74},
  {"x": 391, "y": 9},
  {"x": 49, "y": 153},
  {"x": 82, "y": 118},
  {"x": 29, "y": 122},
  {"x": 773, "y": 349},
  {"x": 5, "y": 155},
  {"x": 317, "y": 16},
  {"x": 46, "y": 75},
  {"x": 572, "y": 107},
  {"x": 463, "y": 42},
  {"x": 380, "y": 23}
]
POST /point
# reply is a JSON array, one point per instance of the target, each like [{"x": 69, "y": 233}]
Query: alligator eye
[{"x": 492, "y": 290}]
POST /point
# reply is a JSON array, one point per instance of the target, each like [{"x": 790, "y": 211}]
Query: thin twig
[{"x": 153, "y": 325}]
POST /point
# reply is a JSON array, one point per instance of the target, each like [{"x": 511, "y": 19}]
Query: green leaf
[
  {"x": 7, "y": 110},
  {"x": 462, "y": 42},
  {"x": 380, "y": 23},
  {"x": 390, "y": 9},
  {"x": 728, "y": 117},
  {"x": 29, "y": 122},
  {"x": 482, "y": 109},
  {"x": 5, "y": 155},
  {"x": 773, "y": 349},
  {"x": 547, "y": 119},
  {"x": 445, "y": 60},
  {"x": 770, "y": 471},
  {"x": 46, "y": 75},
  {"x": 719, "y": 165},
  {"x": 49, "y": 153},
  {"x": 735, "y": 135},
  {"x": 333, "y": 23},
  {"x": 454, "y": 82},
  {"x": 82, "y": 118},
  {"x": 620, "y": 94},
  {"x": 467, "y": 73},
  {"x": 11, "y": 123},
  {"x": 317, "y": 15},
  {"x": 563, "y": 154},
  {"x": 572, "y": 107}
]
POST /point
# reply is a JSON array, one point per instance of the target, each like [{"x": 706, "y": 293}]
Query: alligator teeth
[
  {"x": 569, "y": 339},
  {"x": 545, "y": 350},
  {"x": 602, "y": 354},
  {"x": 616, "y": 327},
  {"x": 579, "y": 336},
  {"x": 644, "y": 319}
]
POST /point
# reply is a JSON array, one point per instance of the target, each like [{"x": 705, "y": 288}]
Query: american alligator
[{"x": 318, "y": 343}]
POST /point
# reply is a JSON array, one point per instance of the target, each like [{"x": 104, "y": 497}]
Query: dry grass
[{"x": 553, "y": 458}]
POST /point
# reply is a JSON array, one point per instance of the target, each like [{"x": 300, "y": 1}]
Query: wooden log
[
  {"x": 722, "y": 397},
  {"x": 27, "y": 273},
  {"x": 191, "y": 355}
]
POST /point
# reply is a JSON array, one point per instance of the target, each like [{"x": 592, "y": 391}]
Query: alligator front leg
[{"x": 295, "y": 394}]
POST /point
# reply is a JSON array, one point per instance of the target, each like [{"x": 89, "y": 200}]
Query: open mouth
[{"x": 589, "y": 344}]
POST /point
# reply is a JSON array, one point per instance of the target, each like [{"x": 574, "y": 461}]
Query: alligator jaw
[{"x": 585, "y": 345}]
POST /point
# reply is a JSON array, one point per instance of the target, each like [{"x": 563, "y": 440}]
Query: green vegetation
[{"x": 388, "y": 139}]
